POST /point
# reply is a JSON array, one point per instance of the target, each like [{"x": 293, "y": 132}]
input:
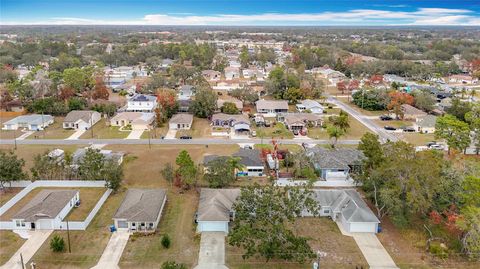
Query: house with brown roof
[
  {"x": 411, "y": 113},
  {"x": 181, "y": 122},
  {"x": 140, "y": 210},
  {"x": 300, "y": 121},
  {"x": 46, "y": 210}
]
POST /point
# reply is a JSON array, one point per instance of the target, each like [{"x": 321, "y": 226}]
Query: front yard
[
  {"x": 356, "y": 131},
  {"x": 200, "y": 129},
  {"x": 10, "y": 242},
  {"x": 277, "y": 130},
  {"x": 342, "y": 251},
  {"x": 102, "y": 131},
  {"x": 54, "y": 131}
]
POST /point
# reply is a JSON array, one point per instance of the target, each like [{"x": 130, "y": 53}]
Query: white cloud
[{"x": 421, "y": 16}]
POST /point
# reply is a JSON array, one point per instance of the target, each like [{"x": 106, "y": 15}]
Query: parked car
[
  {"x": 389, "y": 128},
  {"x": 385, "y": 117},
  {"x": 186, "y": 137},
  {"x": 431, "y": 143},
  {"x": 437, "y": 147},
  {"x": 295, "y": 132},
  {"x": 409, "y": 129}
]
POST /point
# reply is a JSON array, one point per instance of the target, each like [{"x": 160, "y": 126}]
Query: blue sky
[{"x": 241, "y": 12}]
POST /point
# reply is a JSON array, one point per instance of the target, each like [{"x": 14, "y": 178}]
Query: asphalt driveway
[{"x": 212, "y": 251}]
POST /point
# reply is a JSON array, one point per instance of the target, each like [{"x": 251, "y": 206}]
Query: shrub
[
  {"x": 173, "y": 265},
  {"x": 57, "y": 244},
  {"x": 438, "y": 250},
  {"x": 166, "y": 241}
]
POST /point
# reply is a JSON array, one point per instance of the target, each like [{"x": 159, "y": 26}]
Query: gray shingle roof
[
  {"x": 340, "y": 158},
  {"x": 427, "y": 121},
  {"x": 76, "y": 115},
  {"x": 47, "y": 204},
  {"x": 272, "y": 104},
  {"x": 348, "y": 203},
  {"x": 141, "y": 205},
  {"x": 182, "y": 118},
  {"x": 216, "y": 204},
  {"x": 143, "y": 98},
  {"x": 249, "y": 157}
]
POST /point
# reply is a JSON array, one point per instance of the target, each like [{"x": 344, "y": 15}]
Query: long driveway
[
  {"x": 28, "y": 249},
  {"x": 113, "y": 252},
  {"x": 212, "y": 251},
  {"x": 373, "y": 251},
  {"x": 199, "y": 141},
  {"x": 384, "y": 135}
]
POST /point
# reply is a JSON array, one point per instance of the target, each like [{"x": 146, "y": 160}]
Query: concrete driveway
[
  {"x": 76, "y": 135},
  {"x": 113, "y": 252},
  {"x": 373, "y": 251},
  {"x": 171, "y": 134},
  {"x": 212, "y": 251},
  {"x": 28, "y": 249},
  {"x": 25, "y": 135},
  {"x": 135, "y": 134}
]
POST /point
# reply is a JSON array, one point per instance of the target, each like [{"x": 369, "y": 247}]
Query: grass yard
[
  {"x": 88, "y": 198},
  {"x": 10, "y": 242},
  {"x": 87, "y": 246},
  {"x": 342, "y": 251},
  {"x": 177, "y": 221},
  {"x": 290, "y": 147},
  {"x": 347, "y": 101},
  {"x": 418, "y": 139},
  {"x": 157, "y": 133},
  {"x": 7, "y": 194},
  {"x": 102, "y": 131},
  {"x": 200, "y": 129},
  {"x": 356, "y": 131},
  {"x": 54, "y": 131},
  {"x": 143, "y": 165},
  {"x": 7, "y": 134},
  {"x": 276, "y": 131},
  {"x": 393, "y": 123}
]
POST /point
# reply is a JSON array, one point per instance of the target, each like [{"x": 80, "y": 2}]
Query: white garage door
[
  {"x": 44, "y": 224},
  {"x": 363, "y": 227},
  {"x": 122, "y": 224},
  {"x": 213, "y": 226}
]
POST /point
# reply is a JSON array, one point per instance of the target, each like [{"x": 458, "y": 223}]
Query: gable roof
[
  {"x": 181, "y": 118},
  {"x": 340, "y": 158},
  {"x": 347, "y": 202},
  {"x": 292, "y": 118},
  {"x": 272, "y": 104},
  {"x": 75, "y": 115},
  {"x": 216, "y": 204},
  {"x": 141, "y": 205},
  {"x": 143, "y": 98},
  {"x": 309, "y": 104},
  {"x": 410, "y": 110},
  {"x": 47, "y": 204},
  {"x": 249, "y": 157},
  {"x": 30, "y": 119}
]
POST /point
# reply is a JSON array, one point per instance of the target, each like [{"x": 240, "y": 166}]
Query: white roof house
[
  {"x": 34, "y": 122},
  {"x": 232, "y": 73}
]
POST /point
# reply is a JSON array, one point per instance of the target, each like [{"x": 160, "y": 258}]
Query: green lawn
[
  {"x": 54, "y": 131},
  {"x": 276, "y": 131},
  {"x": 356, "y": 131},
  {"x": 102, "y": 131}
]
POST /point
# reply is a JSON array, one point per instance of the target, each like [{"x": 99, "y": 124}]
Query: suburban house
[
  {"x": 34, "y": 122},
  {"x": 240, "y": 123},
  {"x": 215, "y": 209},
  {"x": 184, "y": 105},
  {"x": 211, "y": 75},
  {"x": 411, "y": 113},
  {"x": 335, "y": 164},
  {"x": 136, "y": 120},
  {"x": 249, "y": 158},
  {"x": 109, "y": 155},
  {"x": 235, "y": 101},
  {"x": 226, "y": 86},
  {"x": 46, "y": 210},
  {"x": 186, "y": 92},
  {"x": 347, "y": 208},
  {"x": 253, "y": 72},
  {"x": 81, "y": 119},
  {"x": 332, "y": 76},
  {"x": 425, "y": 124},
  {"x": 142, "y": 103},
  {"x": 140, "y": 210},
  {"x": 166, "y": 63},
  {"x": 181, "y": 121},
  {"x": 270, "y": 108},
  {"x": 300, "y": 121},
  {"x": 232, "y": 73},
  {"x": 310, "y": 105}
]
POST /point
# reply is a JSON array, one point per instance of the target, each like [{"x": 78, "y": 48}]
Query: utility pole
[
  {"x": 15, "y": 138},
  {"x": 21, "y": 260},
  {"x": 91, "y": 125},
  {"x": 68, "y": 238}
]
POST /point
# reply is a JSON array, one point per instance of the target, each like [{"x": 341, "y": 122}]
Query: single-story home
[
  {"x": 34, "y": 122},
  {"x": 81, "y": 119},
  {"x": 346, "y": 207},
  {"x": 425, "y": 124},
  {"x": 211, "y": 75},
  {"x": 300, "y": 121},
  {"x": 181, "y": 121},
  {"x": 79, "y": 154},
  {"x": 137, "y": 120},
  {"x": 215, "y": 209},
  {"x": 335, "y": 164},
  {"x": 186, "y": 92},
  {"x": 270, "y": 108},
  {"x": 46, "y": 210},
  {"x": 239, "y": 122},
  {"x": 411, "y": 113},
  {"x": 140, "y": 210},
  {"x": 232, "y": 73},
  {"x": 310, "y": 105},
  {"x": 249, "y": 158}
]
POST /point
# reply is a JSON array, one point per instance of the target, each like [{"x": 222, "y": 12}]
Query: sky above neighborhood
[{"x": 241, "y": 12}]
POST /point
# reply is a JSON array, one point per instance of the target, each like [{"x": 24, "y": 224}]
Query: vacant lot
[
  {"x": 54, "y": 131},
  {"x": 356, "y": 131},
  {"x": 87, "y": 246},
  {"x": 347, "y": 101},
  {"x": 102, "y": 131},
  {"x": 157, "y": 133},
  {"x": 277, "y": 130},
  {"x": 342, "y": 251},
  {"x": 10, "y": 242},
  {"x": 177, "y": 222},
  {"x": 88, "y": 198}
]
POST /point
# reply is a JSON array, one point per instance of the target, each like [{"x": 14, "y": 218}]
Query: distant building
[{"x": 34, "y": 122}]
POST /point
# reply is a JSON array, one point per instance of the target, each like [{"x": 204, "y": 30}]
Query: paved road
[
  {"x": 382, "y": 133},
  {"x": 199, "y": 141},
  {"x": 212, "y": 251},
  {"x": 28, "y": 249}
]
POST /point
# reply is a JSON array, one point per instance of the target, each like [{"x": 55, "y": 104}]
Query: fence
[
  {"x": 74, "y": 225},
  {"x": 319, "y": 183}
]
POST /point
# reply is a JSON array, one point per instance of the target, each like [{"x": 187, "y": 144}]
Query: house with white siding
[
  {"x": 215, "y": 209},
  {"x": 81, "y": 119},
  {"x": 142, "y": 103},
  {"x": 34, "y": 122}
]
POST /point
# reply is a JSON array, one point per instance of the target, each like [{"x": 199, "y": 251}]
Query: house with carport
[{"x": 140, "y": 210}]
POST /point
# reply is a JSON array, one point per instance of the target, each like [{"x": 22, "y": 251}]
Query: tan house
[
  {"x": 411, "y": 113},
  {"x": 300, "y": 121},
  {"x": 181, "y": 122},
  {"x": 137, "y": 120}
]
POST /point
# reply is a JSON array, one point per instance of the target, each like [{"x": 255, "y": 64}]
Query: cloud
[{"x": 421, "y": 16}]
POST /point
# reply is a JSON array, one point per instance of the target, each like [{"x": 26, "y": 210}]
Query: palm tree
[
  {"x": 340, "y": 121},
  {"x": 235, "y": 164},
  {"x": 335, "y": 133}
]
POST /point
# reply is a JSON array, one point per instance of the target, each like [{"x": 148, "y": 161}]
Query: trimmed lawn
[
  {"x": 393, "y": 123},
  {"x": 342, "y": 251},
  {"x": 157, "y": 133},
  {"x": 88, "y": 198},
  {"x": 290, "y": 147},
  {"x": 54, "y": 131},
  {"x": 276, "y": 131},
  {"x": 200, "y": 129},
  {"x": 177, "y": 221},
  {"x": 356, "y": 131},
  {"x": 87, "y": 246},
  {"x": 418, "y": 139},
  {"x": 10, "y": 242},
  {"x": 102, "y": 131},
  {"x": 7, "y": 194}
]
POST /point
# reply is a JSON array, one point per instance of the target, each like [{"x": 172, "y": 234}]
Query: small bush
[
  {"x": 57, "y": 244},
  {"x": 166, "y": 241},
  {"x": 438, "y": 250},
  {"x": 173, "y": 265}
]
